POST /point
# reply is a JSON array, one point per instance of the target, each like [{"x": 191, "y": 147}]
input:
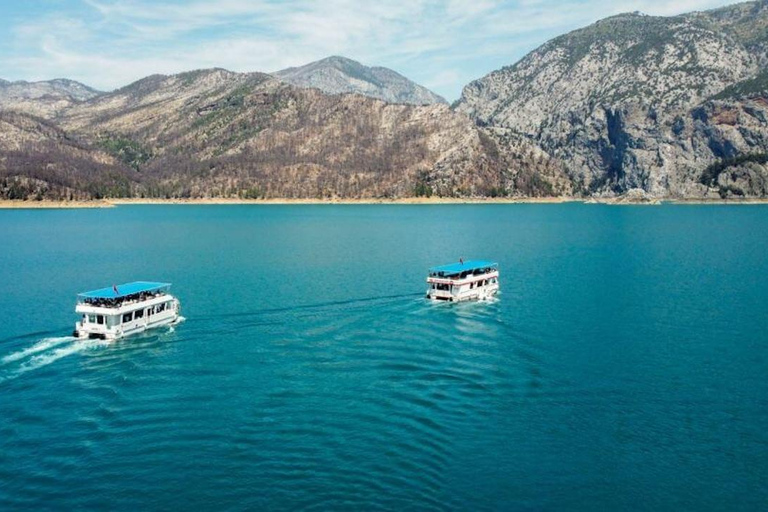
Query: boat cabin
[
  {"x": 466, "y": 280},
  {"x": 110, "y": 313}
]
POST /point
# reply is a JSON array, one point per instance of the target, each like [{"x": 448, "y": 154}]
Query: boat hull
[
  {"x": 478, "y": 295},
  {"x": 473, "y": 287},
  {"x": 128, "y": 320},
  {"x": 117, "y": 334}
]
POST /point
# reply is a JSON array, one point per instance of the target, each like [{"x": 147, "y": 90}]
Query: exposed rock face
[
  {"x": 636, "y": 101},
  {"x": 338, "y": 75},
  {"x": 44, "y": 99}
]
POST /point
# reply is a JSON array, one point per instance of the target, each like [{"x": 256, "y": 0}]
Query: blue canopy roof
[
  {"x": 467, "y": 266},
  {"x": 123, "y": 290}
]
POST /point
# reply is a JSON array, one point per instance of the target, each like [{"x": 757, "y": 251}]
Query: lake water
[{"x": 624, "y": 365}]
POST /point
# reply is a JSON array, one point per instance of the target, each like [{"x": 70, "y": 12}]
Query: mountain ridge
[
  {"x": 215, "y": 132},
  {"x": 633, "y": 105}
]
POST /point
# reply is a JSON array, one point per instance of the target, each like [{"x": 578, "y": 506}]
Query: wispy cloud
[{"x": 442, "y": 44}]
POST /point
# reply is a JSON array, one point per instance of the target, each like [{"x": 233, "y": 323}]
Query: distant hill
[
  {"x": 46, "y": 98},
  {"x": 337, "y": 75}
]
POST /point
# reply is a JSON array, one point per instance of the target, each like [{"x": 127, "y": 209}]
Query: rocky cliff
[
  {"x": 640, "y": 102},
  {"x": 339, "y": 75}
]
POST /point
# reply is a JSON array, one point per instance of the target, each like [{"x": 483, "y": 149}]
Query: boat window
[
  {"x": 85, "y": 319},
  {"x": 100, "y": 319},
  {"x": 92, "y": 319},
  {"x": 127, "y": 317},
  {"x": 139, "y": 313},
  {"x": 113, "y": 320}
]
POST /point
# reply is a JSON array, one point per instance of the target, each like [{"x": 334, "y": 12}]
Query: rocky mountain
[
  {"x": 339, "y": 75},
  {"x": 640, "y": 102},
  {"x": 45, "y": 99}
]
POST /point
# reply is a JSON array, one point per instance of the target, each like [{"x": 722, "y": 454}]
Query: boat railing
[
  {"x": 463, "y": 275},
  {"x": 122, "y": 301}
]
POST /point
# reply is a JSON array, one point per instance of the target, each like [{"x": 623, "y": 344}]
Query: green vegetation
[
  {"x": 225, "y": 110},
  {"x": 16, "y": 188},
  {"x": 126, "y": 150},
  {"x": 252, "y": 193},
  {"x": 736, "y": 191},
  {"x": 422, "y": 188},
  {"x": 497, "y": 192},
  {"x": 647, "y": 32},
  {"x": 712, "y": 173},
  {"x": 189, "y": 77},
  {"x": 749, "y": 87}
]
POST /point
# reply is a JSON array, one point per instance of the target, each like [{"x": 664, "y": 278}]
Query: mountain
[
  {"x": 45, "y": 99},
  {"x": 633, "y": 106},
  {"x": 215, "y": 133},
  {"x": 339, "y": 75},
  {"x": 642, "y": 102}
]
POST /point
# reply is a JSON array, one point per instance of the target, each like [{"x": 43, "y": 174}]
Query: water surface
[{"x": 623, "y": 366}]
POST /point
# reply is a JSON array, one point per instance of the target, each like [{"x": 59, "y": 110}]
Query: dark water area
[{"x": 624, "y": 366}]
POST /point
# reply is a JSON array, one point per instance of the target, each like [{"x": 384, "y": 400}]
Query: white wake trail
[
  {"x": 41, "y": 346},
  {"x": 45, "y": 352}
]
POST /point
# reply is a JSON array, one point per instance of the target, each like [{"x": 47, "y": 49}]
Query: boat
[
  {"x": 130, "y": 308},
  {"x": 462, "y": 281}
]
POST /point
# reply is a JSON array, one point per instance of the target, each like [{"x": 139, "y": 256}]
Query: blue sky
[{"x": 440, "y": 44}]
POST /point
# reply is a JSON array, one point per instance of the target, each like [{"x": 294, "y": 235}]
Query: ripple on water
[{"x": 346, "y": 400}]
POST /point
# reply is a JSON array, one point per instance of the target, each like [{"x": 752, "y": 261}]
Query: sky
[{"x": 442, "y": 45}]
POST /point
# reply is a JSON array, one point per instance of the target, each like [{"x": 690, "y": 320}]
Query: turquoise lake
[{"x": 624, "y": 365}]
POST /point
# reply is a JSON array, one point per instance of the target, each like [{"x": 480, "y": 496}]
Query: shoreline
[{"x": 111, "y": 203}]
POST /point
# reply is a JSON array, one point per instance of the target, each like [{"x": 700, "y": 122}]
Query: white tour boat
[
  {"x": 466, "y": 280},
  {"x": 111, "y": 313}
]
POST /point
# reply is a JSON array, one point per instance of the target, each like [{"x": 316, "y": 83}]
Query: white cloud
[{"x": 443, "y": 44}]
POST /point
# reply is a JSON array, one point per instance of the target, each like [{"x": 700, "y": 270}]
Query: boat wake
[
  {"x": 43, "y": 353},
  {"x": 41, "y": 346}
]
